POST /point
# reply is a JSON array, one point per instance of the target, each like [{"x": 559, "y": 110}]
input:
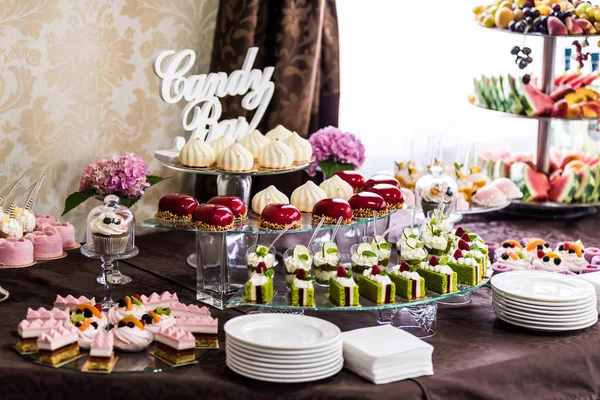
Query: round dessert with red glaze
[
  {"x": 234, "y": 203},
  {"x": 365, "y": 203},
  {"x": 354, "y": 178},
  {"x": 332, "y": 209},
  {"x": 212, "y": 217},
  {"x": 176, "y": 209},
  {"x": 379, "y": 179},
  {"x": 391, "y": 194},
  {"x": 277, "y": 216}
]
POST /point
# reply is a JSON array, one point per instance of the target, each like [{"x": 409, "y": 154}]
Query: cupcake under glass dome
[{"x": 110, "y": 228}]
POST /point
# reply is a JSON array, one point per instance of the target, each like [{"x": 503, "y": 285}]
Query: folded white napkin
[{"x": 384, "y": 354}]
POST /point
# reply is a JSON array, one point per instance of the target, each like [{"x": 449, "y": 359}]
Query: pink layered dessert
[
  {"x": 165, "y": 300},
  {"x": 45, "y": 219},
  {"x": 67, "y": 234},
  {"x": 206, "y": 325},
  {"x": 192, "y": 310},
  {"x": 42, "y": 313},
  {"x": 34, "y": 328},
  {"x": 177, "y": 339},
  {"x": 47, "y": 243},
  {"x": 16, "y": 252},
  {"x": 102, "y": 345},
  {"x": 70, "y": 302}
]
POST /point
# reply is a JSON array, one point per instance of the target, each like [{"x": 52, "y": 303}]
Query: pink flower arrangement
[
  {"x": 124, "y": 175},
  {"x": 335, "y": 150}
]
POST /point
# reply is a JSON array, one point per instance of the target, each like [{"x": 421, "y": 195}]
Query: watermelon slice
[
  {"x": 570, "y": 78},
  {"x": 501, "y": 169},
  {"x": 512, "y": 103},
  {"x": 540, "y": 103},
  {"x": 479, "y": 94},
  {"x": 564, "y": 187},
  {"x": 517, "y": 88},
  {"x": 578, "y": 82},
  {"x": 587, "y": 185},
  {"x": 596, "y": 172},
  {"x": 533, "y": 185}
]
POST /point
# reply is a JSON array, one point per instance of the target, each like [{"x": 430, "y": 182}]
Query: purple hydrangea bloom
[
  {"x": 332, "y": 144},
  {"x": 124, "y": 176}
]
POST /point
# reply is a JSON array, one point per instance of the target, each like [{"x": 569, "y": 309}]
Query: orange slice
[
  {"x": 135, "y": 321},
  {"x": 513, "y": 243},
  {"x": 533, "y": 243},
  {"x": 513, "y": 256},
  {"x": 128, "y": 305},
  {"x": 577, "y": 248},
  {"x": 88, "y": 306},
  {"x": 552, "y": 255},
  {"x": 475, "y": 170},
  {"x": 155, "y": 318},
  {"x": 86, "y": 324},
  {"x": 575, "y": 164}
]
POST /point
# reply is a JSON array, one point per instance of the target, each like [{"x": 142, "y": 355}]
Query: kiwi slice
[
  {"x": 136, "y": 301},
  {"x": 262, "y": 251},
  {"x": 301, "y": 252}
]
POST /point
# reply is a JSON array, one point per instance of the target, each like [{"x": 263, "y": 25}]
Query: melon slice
[
  {"x": 564, "y": 187},
  {"x": 501, "y": 169},
  {"x": 595, "y": 171},
  {"x": 541, "y": 104},
  {"x": 533, "y": 185}
]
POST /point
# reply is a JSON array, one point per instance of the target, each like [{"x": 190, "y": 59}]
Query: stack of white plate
[
  {"x": 544, "y": 301},
  {"x": 283, "y": 348}
]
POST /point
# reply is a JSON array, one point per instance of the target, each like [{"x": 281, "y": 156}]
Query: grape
[
  {"x": 529, "y": 60},
  {"x": 527, "y": 12},
  {"x": 535, "y": 13},
  {"x": 521, "y": 25},
  {"x": 522, "y": 64},
  {"x": 526, "y": 78},
  {"x": 526, "y": 51},
  {"x": 529, "y": 19},
  {"x": 511, "y": 26},
  {"x": 556, "y": 7},
  {"x": 515, "y": 50}
]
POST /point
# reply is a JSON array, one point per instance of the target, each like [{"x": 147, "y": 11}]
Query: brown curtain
[{"x": 300, "y": 39}]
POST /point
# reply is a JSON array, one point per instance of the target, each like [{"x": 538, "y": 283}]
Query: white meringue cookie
[
  {"x": 301, "y": 148},
  {"x": 276, "y": 155},
  {"x": 221, "y": 143},
  {"x": 254, "y": 142},
  {"x": 278, "y": 133},
  {"x": 306, "y": 196},
  {"x": 337, "y": 187},
  {"x": 197, "y": 153},
  {"x": 235, "y": 158},
  {"x": 268, "y": 196}
]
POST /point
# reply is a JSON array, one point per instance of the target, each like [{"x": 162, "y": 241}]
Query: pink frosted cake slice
[
  {"x": 165, "y": 300},
  {"x": 42, "y": 313},
  {"x": 70, "y": 302},
  {"x": 66, "y": 231},
  {"x": 30, "y": 330},
  {"x": 192, "y": 310},
  {"x": 102, "y": 356},
  {"x": 58, "y": 345},
  {"x": 47, "y": 243},
  {"x": 175, "y": 345},
  {"x": 204, "y": 328},
  {"x": 15, "y": 252}
]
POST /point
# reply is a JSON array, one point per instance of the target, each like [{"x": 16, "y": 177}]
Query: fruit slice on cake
[{"x": 534, "y": 185}]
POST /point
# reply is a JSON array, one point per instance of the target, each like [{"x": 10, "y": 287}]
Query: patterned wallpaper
[{"x": 76, "y": 84}]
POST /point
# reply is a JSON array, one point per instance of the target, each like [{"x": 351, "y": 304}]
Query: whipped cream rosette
[
  {"x": 130, "y": 335},
  {"x": 572, "y": 256},
  {"x": 129, "y": 305},
  {"x": 549, "y": 261}
]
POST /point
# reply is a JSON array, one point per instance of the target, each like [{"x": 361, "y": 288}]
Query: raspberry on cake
[
  {"x": 303, "y": 291},
  {"x": 179, "y": 310},
  {"x": 365, "y": 204},
  {"x": 58, "y": 345},
  {"x": 391, "y": 194},
  {"x": 409, "y": 285},
  {"x": 42, "y": 313},
  {"x": 30, "y": 331},
  {"x": 212, "y": 217},
  {"x": 279, "y": 216},
  {"x": 380, "y": 179},
  {"x": 377, "y": 286},
  {"x": 259, "y": 289},
  {"x": 468, "y": 269},
  {"x": 300, "y": 257},
  {"x": 234, "y": 203},
  {"x": 176, "y": 209},
  {"x": 353, "y": 178},
  {"x": 102, "y": 356},
  {"x": 204, "y": 329},
  {"x": 332, "y": 210},
  {"x": 175, "y": 346},
  {"x": 343, "y": 291},
  {"x": 165, "y": 300}
]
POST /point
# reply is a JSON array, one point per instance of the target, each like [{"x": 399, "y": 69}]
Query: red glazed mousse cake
[
  {"x": 354, "y": 178},
  {"x": 176, "y": 209},
  {"x": 379, "y": 179},
  {"x": 234, "y": 203},
  {"x": 391, "y": 194},
  {"x": 278, "y": 216},
  {"x": 363, "y": 204},
  {"x": 212, "y": 217},
  {"x": 332, "y": 210}
]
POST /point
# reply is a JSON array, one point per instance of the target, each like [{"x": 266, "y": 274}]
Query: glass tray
[
  {"x": 251, "y": 225},
  {"x": 128, "y": 363},
  {"x": 322, "y": 303}
]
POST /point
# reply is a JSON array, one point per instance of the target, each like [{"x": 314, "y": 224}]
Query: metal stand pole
[{"x": 547, "y": 84}]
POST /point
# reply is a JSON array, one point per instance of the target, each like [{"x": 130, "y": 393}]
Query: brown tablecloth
[{"x": 476, "y": 356}]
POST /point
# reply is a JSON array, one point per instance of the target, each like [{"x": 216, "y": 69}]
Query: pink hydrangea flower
[
  {"x": 124, "y": 176},
  {"x": 332, "y": 144}
]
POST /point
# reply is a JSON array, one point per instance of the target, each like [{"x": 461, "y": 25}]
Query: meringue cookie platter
[
  {"x": 55, "y": 336},
  {"x": 278, "y": 151}
]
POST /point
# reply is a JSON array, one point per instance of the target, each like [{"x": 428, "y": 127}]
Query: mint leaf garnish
[
  {"x": 331, "y": 251},
  {"x": 368, "y": 253},
  {"x": 385, "y": 246},
  {"x": 419, "y": 245},
  {"x": 303, "y": 257},
  {"x": 269, "y": 273}
]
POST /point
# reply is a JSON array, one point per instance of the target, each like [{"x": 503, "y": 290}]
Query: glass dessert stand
[
  {"x": 221, "y": 268},
  {"x": 108, "y": 262}
]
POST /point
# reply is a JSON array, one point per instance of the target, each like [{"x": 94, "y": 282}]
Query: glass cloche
[
  {"x": 435, "y": 188},
  {"x": 110, "y": 228}
]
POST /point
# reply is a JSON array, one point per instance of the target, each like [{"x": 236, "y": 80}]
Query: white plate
[
  {"x": 580, "y": 319},
  {"x": 261, "y": 358},
  {"x": 561, "y": 305},
  {"x": 282, "y": 331},
  {"x": 547, "y": 328},
  {"x": 547, "y": 318},
  {"x": 542, "y": 286},
  {"x": 288, "y": 373},
  {"x": 286, "y": 353},
  {"x": 274, "y": 378},
  {"x": 540, "y": 308},
  {"x": 545, "y": 314}
]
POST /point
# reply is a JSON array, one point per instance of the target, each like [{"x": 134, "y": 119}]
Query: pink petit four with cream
[
  {"x": 16, "y": 252},
  {"x": 45, "y": 219},
  {"x": 58, "y": 345},
  {"x": 34, "y": 328},
  {"x": 47, "y": 243},
  {"x": 67, "y": 234},
  {"x": 70, "y": 302},
  {"x": 42, "y": 313},
  {"x": 204, "y": 329},
  {"x": 175, "y": 338},
  {"x": 102, "y": 345},
  {"x": 165, "y": 300},
  {"x": 192, "y": 310}
]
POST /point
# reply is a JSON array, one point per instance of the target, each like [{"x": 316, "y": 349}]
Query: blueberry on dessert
[
  {"x": 303, "y": 291},
  {"x": 294, "y": 259},
  {"x": 234, "y": 203},
  {"x": 343, "y": 290},
  {"x": 86, "y": 329},
  {"x": 548, "y": 261},
  {"x": 279, "y": 216},
  {"x": 332, "y": 209},
  {"x": 505, "y": 247},
  {"x": 353, "y": 178},
  {"x": 158, "y": 319},
  {"x": 391, "y": 194},
  {"x": 439, "y": 277},
  {"x": 376, "y": 285},
  {"x": 363, "y": 257},
  {"x": 129, "y": 305},
  {"x": 533, "y": 246},
  {"x": 176, "y": 209},
  {"x": 212, "y": 218},
  {"x": 130, "y": 335},
  {"x": 409, "y": 284},
  {"x": 367, "y": 204},
  {"x": 259, "y": 289},
  {"x": 326, "y": 261},
  {"x": 259, "y": 255}
]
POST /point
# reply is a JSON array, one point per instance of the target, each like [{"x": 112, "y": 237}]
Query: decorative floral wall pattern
[{"x": 76, "y": 83}]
